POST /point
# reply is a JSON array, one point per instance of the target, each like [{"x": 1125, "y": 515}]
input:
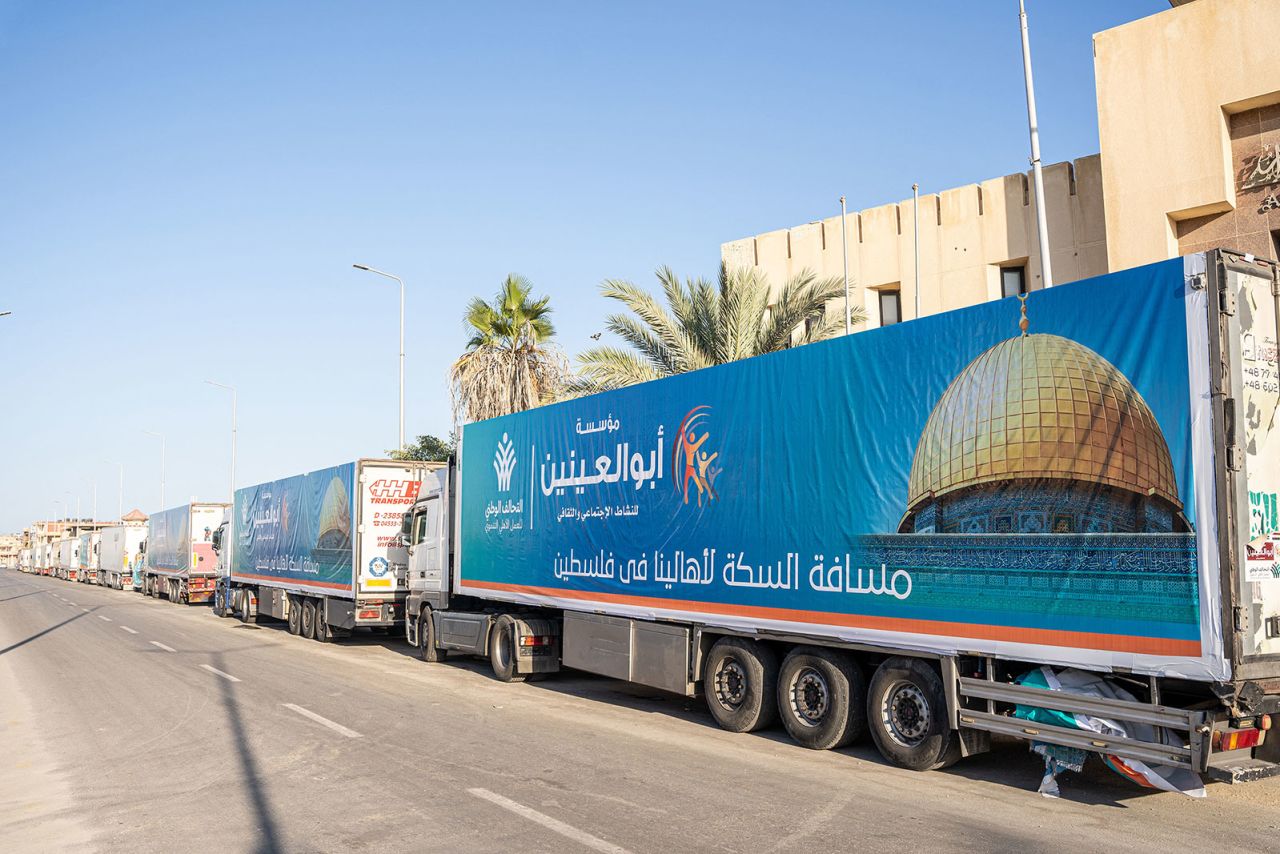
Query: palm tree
[
  {"x": 509, "y": 365},
  {"x": 706, "y": 324}
]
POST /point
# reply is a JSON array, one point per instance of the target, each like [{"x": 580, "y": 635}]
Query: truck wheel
[
  {"x": 740, "y": 680},
  {"x": 907, "y": 714},
  {"x": 294, "y": 619},
  {"x": 427, "y": 638},
  {"x": 219, "y": 602},
  {"x": 309, "y": 618},
  {"x": 324, "y": 631},
  {"x": 502, "y": 650},
  {"x": 822, "y": 698},
  {"x": 246, "y": 603}
]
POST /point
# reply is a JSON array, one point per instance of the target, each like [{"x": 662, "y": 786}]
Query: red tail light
[
  {"x": 1236, "y": 739},
  {"x": 537, "y": 640}
]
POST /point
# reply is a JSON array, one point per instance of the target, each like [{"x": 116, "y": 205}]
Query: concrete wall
[
  {"x": 1168, "y": 85},
  {"x": 966, "y": 235}
]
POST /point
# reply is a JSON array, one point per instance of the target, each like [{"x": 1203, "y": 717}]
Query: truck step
[{"x": 1243, "y": 771}]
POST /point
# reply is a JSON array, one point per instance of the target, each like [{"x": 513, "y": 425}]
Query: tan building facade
[{"x": 1189, "y": 128}]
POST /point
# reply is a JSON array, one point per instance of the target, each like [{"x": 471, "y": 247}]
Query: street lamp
[
  {"x": 369, "y": 269},
  {"x": 159, "y": 436},
  {"x": 5, "y": 313},
  {"x": 120, "y": 505},
  {"x": 234, "y": 395}
]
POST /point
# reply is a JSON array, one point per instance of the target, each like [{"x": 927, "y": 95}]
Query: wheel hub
[
  {"x": 730, "y": 684},
  {"x": 810, "y": 697},
  {"x": 906, "y": 714}
]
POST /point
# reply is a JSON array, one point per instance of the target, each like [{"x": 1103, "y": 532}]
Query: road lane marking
[
  {"x": 104, "y": 617},
  {"x": 307, "y": 713},
  {"x": 226, "y": 676},
  {"x": 86, "y": 610},
  {"x": 162, "y": 646},
  {"x": 129, "y": 630},
  {"x": 566, "y": 830}
]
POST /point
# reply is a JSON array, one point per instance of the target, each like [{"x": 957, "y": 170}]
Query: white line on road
[
  {"x": 104, "y": 617},
  {"x": 129, "y": 630},
  {"x": 226, "y": 676},
  {"x": 86, "y": 610},
  {"x": 566, "y": 830},
  {"x": 162, "y": 646},
  {"x": 307, "y": 713}
]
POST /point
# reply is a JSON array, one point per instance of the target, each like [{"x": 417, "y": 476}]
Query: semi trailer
[
  {"x": 89, "y": 542},
  {"x": 180, "y": 563},
  {"x": 933, "y": 532},
  {"x": 119, "y": 547},
  {"x": 24, "y": 560},
  {"x": 321, "y": 550},
  {"x": 68, "y": 558}
]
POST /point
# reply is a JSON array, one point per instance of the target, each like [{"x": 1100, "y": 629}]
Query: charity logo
[
  {"x": 387, "y": 491},
  {"x": 378, "y": 567},
  {"x": 693, "y": 459},
  {"x": 504, "y": 463}
]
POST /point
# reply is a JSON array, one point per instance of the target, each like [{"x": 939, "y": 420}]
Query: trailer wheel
[
  {"x": 323, "y": 632},
  {"x": 427, "y": 638},
  {"x": 740, "y": 680},
  {"x": 294, "y": 620},
  {"x": 822, "y": 698},
  {"x": 309, "y": 618},
  {"x": 907, "y": 714},
  {"x": 245, "y": 599},
  {"x": 502, "y": 650}
]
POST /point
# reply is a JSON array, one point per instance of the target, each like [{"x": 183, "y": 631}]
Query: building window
[
  {"x": 890, "y": 307},
  {"x": 1013, "y": 281}
]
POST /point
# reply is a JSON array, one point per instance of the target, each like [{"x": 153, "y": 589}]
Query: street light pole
[
  {"x": 915, "y": 192},
  {"x": 159, "y": 436},
  {"x": 234, "y": 397},
  {"x": 1042, "y": 220},
  {"x": 369, "y": 269},
  {"x": 844, "y": 248}
]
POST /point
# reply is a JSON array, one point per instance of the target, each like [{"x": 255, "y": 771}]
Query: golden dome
[{"x": 1041, "y": 406}]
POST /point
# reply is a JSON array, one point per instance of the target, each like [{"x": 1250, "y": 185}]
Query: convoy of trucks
[{"x": 1051, "y": 518}]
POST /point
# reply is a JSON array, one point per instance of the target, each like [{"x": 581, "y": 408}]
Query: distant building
[{"x": 1189, "y": 127}]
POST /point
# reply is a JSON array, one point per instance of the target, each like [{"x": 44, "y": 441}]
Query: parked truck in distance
[
  {"x": 118, "y": 548},
  {"x": 89, "y": 541},
  {"x": 322, "y": 550},
  {"x": 180, "y": 563},
  {"x": 68, "y": 561},
  {"x": 931, "y": 532}
]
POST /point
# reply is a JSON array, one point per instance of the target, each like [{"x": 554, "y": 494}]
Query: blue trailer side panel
[
  {"x": 1024, "y": 484},
  {"x": 298, "y": 530},
  {"x": 169, "y": 541}
]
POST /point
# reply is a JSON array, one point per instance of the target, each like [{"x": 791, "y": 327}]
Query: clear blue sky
[{"x": 184, "y": 187}]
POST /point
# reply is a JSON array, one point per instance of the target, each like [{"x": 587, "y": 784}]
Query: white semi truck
[
  {"x": 180, "y": 561},
  {"x": 118, "y": 548},
  {"x": 931, "y": 532},
  {"x": 68, "y": 560}
]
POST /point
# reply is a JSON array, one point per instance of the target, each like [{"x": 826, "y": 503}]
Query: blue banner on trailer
[
  {"x": 297, "y": 529},
  {"x": 1017, "y": 477},
  {"x": 169, "y": 540}
]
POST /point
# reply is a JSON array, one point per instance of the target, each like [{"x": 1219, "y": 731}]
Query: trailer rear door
[
  {"x": 1248, "y": 303},
  {"x": 387, "y": 490}
]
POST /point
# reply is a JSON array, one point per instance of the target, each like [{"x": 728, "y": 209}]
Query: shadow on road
[
  {"x": 270, "y": 836},
  {"x": 20, "y": 595},
  {"x": 43, "y": 632}
]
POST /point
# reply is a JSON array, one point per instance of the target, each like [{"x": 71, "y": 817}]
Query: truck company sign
[{"x": 1016, "y": 476}]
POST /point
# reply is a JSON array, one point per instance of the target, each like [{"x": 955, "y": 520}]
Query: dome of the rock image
[
  {"x": 335, "y": 517},
  {"x": 1040, "y": 434}
]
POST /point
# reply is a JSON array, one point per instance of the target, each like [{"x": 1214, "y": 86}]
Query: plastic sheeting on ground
[{"x": 1057, "y": 758}]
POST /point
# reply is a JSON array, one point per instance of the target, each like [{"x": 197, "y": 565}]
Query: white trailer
[
  {"x": 69, "y": 558},
  {"x": 89, "y": 557},
  {"x": 24, "y": 560},
  {"x": 118, "y": 549}
]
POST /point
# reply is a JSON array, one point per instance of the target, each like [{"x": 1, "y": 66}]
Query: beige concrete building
[{"x": 1189, "y": 130}]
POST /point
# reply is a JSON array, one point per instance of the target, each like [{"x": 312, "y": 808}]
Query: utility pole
[
  {"x": 369, "y": 269},
  {"x": 915, "y": 192},
  {"x": 844, "y": 244},
  {"x": 1042, "y": 220}
]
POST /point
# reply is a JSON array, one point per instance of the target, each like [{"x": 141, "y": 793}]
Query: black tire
[
  {"x": 427, "y": 638},
  {"x": 220, "y": 608},
  {"x": 309, "y": 618},
  {"x": 294, "y": 620},
  {"x": 502, "y": 650},
  {"x": 323, "y": 631},
  {"x": 907, "y": 715},
  {"x": 245, "y": 601},
  {"x": 822, "y": 698},
  {"x": 740, "y": 680}
]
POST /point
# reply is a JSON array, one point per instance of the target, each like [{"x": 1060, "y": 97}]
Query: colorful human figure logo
[{"x": 692, "y": 460}]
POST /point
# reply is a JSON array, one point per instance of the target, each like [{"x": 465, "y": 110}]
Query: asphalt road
[{"x": 131, "y": 724}]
